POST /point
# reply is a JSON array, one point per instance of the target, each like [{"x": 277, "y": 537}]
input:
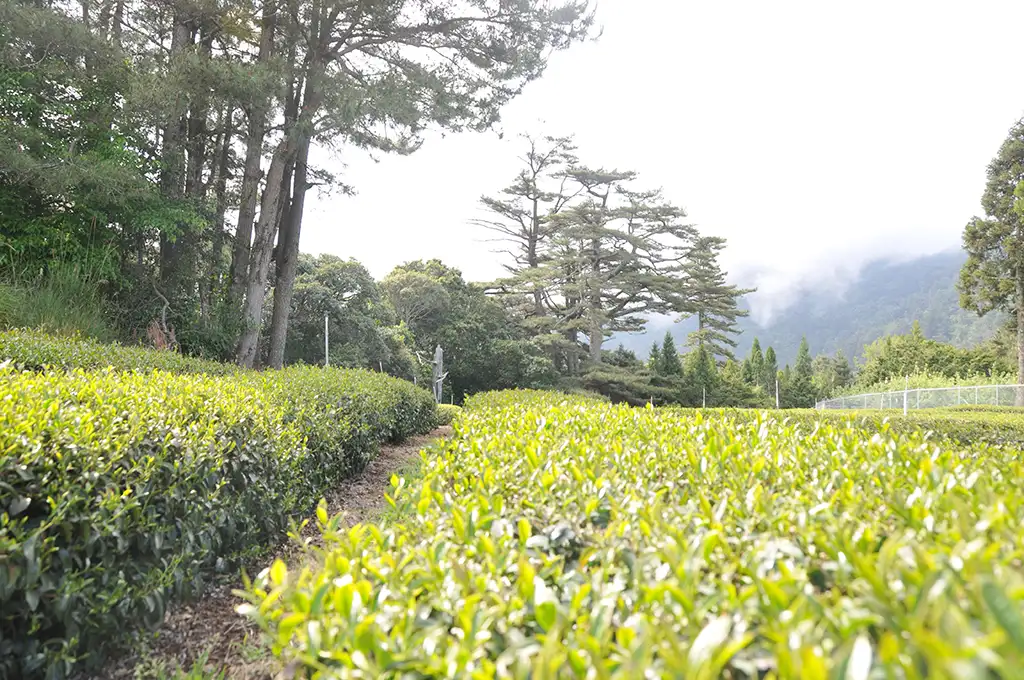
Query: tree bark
[
  {"x": 221, "y": 172},
  {"x": 249, "y": 193},
  {"x": 172, "y": 175},
  {"x": 288, "y": 258},
  {"x": 262, "y": 248}
]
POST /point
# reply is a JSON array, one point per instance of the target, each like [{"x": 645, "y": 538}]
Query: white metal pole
[
  {"x": 327, "y": 358},
  {"x": 704, "y": 398},
  {"x": 997, "y": 395},
  {"x": 975, "y": 395},
  {"x": 777, "y": 393},
  {"x": 906, "y": 388}
]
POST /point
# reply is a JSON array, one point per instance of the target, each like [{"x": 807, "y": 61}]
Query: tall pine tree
[
  {"x": 670, "y": 363},
  {"x": 714, "y": 300},
  {"x": 754, "y": 364},
  {"x": 802, "y": 385},
  {"x": 770, "y": 371}
]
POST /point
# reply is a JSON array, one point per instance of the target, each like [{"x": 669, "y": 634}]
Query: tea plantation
[
  {"x": 124, "y": 487},
  {"x": 555, "y": 537}
]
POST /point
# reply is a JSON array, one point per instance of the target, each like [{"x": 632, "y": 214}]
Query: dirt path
[{"x": 210, "y": 630}]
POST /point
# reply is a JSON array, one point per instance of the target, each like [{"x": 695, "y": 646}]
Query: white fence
[{"x": 928, "y": 397}]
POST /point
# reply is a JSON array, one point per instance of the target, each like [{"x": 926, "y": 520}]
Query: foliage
[
  {"x": 447, "y": 413},
  {"x": 33, "y": 350},
  {"x": 484, "y": 346},
  {"x": 715, "y": 301},
  {"x": 122, "y": 490},
  {"x": 635, "y": 386},
  {"x": 993, "y": 276},
  {"x": 558, "y": 538},
  {"x": 64, "y": 298},
  {"x": 362, "y": 329},
  {"x": 831, "y": 373},
  {"x": 669, "y": 364},
  {"x": 895, "y": 356},
  {"x": 927, "y": 380},
  {"x": 593, "y": 255}
]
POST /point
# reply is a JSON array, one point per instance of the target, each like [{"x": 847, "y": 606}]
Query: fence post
[
  {"x": 777, "y": 394},
  {"x": 327, "y": 351},
  {"x": 906, "y": 388},
  {"x": 918, "y": 390},
  {"x": 997, "y": 395},
  {"x": 975, "y": 395}
]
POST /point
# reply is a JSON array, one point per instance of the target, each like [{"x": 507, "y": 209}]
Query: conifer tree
[
  {"x": 756, "y": 359},
  {"x": 654, "y": 360},
  {"x": 670, "y": 363},
  {"x": 702, "y": 374},
  {"x": 714, "y": 300},
  {"x": 993, "y": 276},
  {"x": 769, "y": 372},
  {"x": 802, "y": 387}
]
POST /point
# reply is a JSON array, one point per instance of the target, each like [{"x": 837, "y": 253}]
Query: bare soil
[{"x": 211, "y": 631}]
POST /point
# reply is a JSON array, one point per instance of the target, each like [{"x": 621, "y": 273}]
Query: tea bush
[
  {"x": 34, "y": 350},
  {"x": 447, "y": 413},
  {"x": 121, "y": 490},
  {"x": 564, "y": 538}
]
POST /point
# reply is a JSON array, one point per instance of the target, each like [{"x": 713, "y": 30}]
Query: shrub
[
  {"x": 586, "y": 540},
  {"x": 447, "y": 413},
  {"x": 118, "y": 491},
  {"x": 121, "y": 490},
  {"x": 34, "y": 350},
  {"x": 346, "y": 413}
]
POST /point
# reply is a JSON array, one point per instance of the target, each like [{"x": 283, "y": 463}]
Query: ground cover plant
[
  {"x": 558, "y": 537},
  {"x": 122, "y": 490}
]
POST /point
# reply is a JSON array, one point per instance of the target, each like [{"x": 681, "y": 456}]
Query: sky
[{"x": 813, "y": 136}]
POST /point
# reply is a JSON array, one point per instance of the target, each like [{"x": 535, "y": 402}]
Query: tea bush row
[
  {"x": 33, "y": 350},
  {"x": 560, "y": 538},
  {"x": 122, "y": 490}
]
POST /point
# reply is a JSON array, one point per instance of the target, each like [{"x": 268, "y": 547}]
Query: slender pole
[
  {"x": 906, "y": 388},
  {"x": 777, "y": 393},
  {"x": 975, "y": 395},
  {"x": 704, "y": 398},
  {"x": 327, "y": 330}
]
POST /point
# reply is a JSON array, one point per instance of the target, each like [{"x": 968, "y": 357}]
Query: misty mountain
[{"x": 885, "y": 298}]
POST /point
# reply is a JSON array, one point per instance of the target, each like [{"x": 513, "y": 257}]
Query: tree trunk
[
  {"x": 288, "y": 258},
  {"x": 1019, "y": 401},
  {"x": 172, "y": 174},
  {"x": 596, "y": 340},
  {"x": 262, "y": 249},
  {"x": 249, "y": 193},
  {"x": 221, "y": 172}
]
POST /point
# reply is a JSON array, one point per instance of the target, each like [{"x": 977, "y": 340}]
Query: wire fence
[{"x": 928, "y": 397}]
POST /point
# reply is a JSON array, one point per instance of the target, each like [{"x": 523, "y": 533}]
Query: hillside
[{"x": 885, "y": 298}]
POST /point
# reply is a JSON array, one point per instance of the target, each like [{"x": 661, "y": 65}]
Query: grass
[{"x": 66, "y": 299}]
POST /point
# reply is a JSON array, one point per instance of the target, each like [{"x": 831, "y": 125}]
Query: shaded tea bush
[
  {"x": 34, "y": 350},
  {"x": 121, "y": 490}
]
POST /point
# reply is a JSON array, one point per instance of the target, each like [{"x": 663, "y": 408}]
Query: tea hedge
[
  {"x": 34, "y": 350},
  {"x": 119, "y": 491},
  {"x": 567, "y": 539},
  {"x": 447, "y": 413}
]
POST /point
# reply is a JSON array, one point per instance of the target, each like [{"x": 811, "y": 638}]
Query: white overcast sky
[{"x": 814, "y": 136}]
